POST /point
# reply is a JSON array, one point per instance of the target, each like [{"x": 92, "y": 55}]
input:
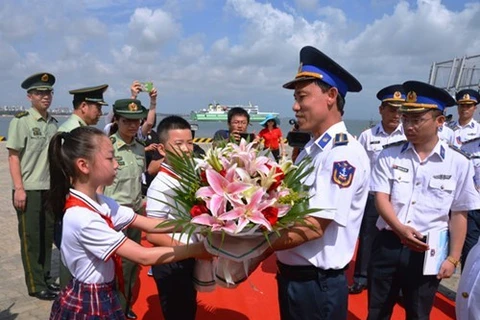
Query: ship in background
[{"x": 219, "y": 112}]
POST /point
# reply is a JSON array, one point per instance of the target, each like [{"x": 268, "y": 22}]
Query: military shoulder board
[
  {"x": 341, "y": 139},
  {"x": 113, "y": 139},
  {"x": 393, "y": 144},
  {"x": 140, "y": 141},
  {"x": 21, "y": 114},
  {"x": 54, "y": 119},
  {"x": 471, "y": 140},
  {"x": 459, "y": 150}
]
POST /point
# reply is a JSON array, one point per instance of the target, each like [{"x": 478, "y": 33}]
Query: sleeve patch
[{"x": 342, "y": 174}]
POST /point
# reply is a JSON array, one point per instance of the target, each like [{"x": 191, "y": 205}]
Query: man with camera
[{"x": 238, "y": 121}]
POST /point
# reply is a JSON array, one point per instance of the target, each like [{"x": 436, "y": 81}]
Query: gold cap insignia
[
  {"x": 466, "y": 96},
  {"x": 44, "y": 78},
  {"x": 412, "y": 97},
  {"x": 465, "y": 294},
  {"x": 397, "y": 95},
  {"x": 133, "y": 106}
]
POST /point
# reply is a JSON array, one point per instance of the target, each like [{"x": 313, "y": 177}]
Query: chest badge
[
  {"x": 36, "y": 131},
  {"x": 342, "y": 174}
]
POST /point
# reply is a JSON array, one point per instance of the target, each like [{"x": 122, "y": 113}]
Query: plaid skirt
[{"x": 87, "y": 301}]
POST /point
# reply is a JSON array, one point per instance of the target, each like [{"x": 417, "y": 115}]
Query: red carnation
[
  {"x": 203, "y": 177},
  {"x": 198, "y": 209},
  {"x": 271, "y": 214}
]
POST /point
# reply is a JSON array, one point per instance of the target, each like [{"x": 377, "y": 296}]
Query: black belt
[
  {"x": 393, "y": 235},
  {"x": 306, "y": 273}
]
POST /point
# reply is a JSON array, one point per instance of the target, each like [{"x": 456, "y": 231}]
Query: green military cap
[
  {"x": 39, "y": 81},
  {"x": 90, "y": 94},
  {"x": 130, "y": 109}
]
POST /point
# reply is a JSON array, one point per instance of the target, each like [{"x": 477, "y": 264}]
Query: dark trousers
[
  {"x": 473, "y": 233},
  {"x": 309, "y": 293},
  {"x": 35, "y": 228},
  {"x": 368, "y": 232},
  {"x": 176, "y": 291},
  {"x": 394, "y": 267}
]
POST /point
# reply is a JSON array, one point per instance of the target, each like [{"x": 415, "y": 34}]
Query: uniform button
[
  {"x": 465, "y": 294},
  {"x": 399, "y": 178},
  {"x": 417, "y": 183},
  {"x": 441, "y": 187},
  {"x": 413, "y": 202},
  {"x": 409, "y": 221}
]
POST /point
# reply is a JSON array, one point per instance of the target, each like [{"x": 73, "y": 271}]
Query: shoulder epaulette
[
  {"x": 54, "y": 119},
  {"x": 113, "y": 139},
  {"x": 472, "y": 140},
  {"x": 140, "y": 141},
  {"x": 459, "y": 150},
  {"x": 21, "y": 114},
  {"x": 393, "y": 144},
  {"x": 341, "y": 139},
  {"x": 452, "y": 125}
]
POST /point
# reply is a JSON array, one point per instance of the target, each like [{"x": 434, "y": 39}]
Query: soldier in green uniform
[
  {"x": 126, "y": 188},
  {"x": 87, "y": 110},
  {"x": 28, "y": 136},
  {"x": 87, "y": 107}
]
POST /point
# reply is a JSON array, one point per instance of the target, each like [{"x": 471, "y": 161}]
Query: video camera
[{"x": 297, "y": 139}]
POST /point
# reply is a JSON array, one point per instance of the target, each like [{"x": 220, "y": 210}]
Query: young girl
[{"x": 92, "y": 241}]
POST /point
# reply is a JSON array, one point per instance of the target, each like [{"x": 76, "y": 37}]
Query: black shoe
[
  {"x": 44, "y": 295},
  {"x": 131, "y": 315},
  {"x": 53, "y": 287},
  {"x": 356, "y": 288}
]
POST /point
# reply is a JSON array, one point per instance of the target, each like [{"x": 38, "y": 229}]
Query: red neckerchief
[
  {"x": 168, "y": 171},
  {"x": 73, "y": 201}
]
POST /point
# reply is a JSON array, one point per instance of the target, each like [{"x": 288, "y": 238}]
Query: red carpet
[{"x": 247, "y": 303}]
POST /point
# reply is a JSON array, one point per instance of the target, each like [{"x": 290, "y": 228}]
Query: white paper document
[{"x": 438, "y": 243}]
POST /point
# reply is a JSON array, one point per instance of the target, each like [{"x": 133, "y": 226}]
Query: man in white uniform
[
  {"x": 386, "y": 132},
  {"x": 416, "y": 185},
  {"x": 472, "y": 147},
  {"x": 466, "y": 128},
  {"x": 312, "y": 259}
]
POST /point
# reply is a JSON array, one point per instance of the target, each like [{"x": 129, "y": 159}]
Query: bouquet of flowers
[{"x": 238, "y": 199}]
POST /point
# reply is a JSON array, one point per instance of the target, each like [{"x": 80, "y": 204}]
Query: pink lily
[
  {"x": 250, "y": 212},
  {"x": 213, "y": 220},
  {"x": 220, "y": 187}
]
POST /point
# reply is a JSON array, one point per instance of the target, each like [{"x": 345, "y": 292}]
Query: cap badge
[
  {"x": 44, "y": 78},
  {"x": 300, "y": 67},
  {"x": 466, "y": 96},
  {"x": 397, "y": 95},
  {"x": 412, "y": 97},
  {"x": 133, "y": 107}
]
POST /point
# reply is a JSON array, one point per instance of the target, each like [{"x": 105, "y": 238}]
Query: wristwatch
[{"x": 453, "y": 261}]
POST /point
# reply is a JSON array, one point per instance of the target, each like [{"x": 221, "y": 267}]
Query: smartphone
[
  {"x": 298, "y": 139},
  {"x": 146, "y": 86},
  {"x": 249, "y": 137}
]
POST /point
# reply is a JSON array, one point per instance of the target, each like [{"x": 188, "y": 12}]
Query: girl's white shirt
[{"x": 87, "y": 240}]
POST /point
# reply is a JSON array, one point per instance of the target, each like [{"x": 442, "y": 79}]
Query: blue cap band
[
  {"x": 326, "y": 77},
  {"x": 391, "y": 96},
  {"x": 426, "y": 101}
]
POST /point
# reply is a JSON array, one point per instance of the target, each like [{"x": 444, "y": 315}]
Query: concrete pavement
[{"x": 15, "y": 303}]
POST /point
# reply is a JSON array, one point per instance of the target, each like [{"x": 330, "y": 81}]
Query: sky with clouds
[{"x": 232, "y": 52}]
